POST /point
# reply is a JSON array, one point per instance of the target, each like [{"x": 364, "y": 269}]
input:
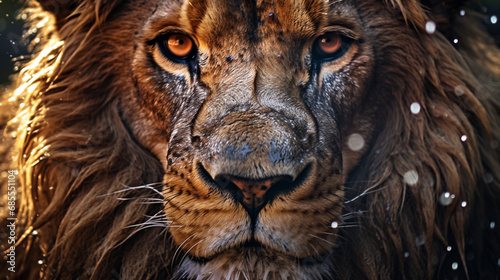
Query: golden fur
[{"x": 120, "y": 149}]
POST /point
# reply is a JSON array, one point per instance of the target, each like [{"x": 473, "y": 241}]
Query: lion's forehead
[
  {"x": 219, "y": 24},
  {"x": 260, "y": 21}
]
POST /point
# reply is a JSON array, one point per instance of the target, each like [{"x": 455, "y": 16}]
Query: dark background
[{"x": 13, "y": 48}]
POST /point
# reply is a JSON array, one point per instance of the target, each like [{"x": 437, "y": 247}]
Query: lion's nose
[
  {"x": 254, "y": 156},
  {"x": 252, "y": 193}
]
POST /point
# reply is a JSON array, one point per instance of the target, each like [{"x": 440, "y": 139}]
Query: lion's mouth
[
  {"x": 258, "y": 248},
  {"x": 251, "y": 244}
]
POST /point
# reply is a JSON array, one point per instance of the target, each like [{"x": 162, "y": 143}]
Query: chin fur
[{"x": 253, "y": 263}]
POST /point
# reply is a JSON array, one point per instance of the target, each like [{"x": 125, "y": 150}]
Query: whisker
[
  {"x": 314, "y": 248},
  {"x": 365, "y": 192},
  {"x": 148, "y": 186},
  {"x": 157, "y": 220},
  {"x": 322, "y": 239},
  {"x": 352, "y": 215},
  {"x": 187, "y": 252},
  {"x": 338, "y": 236},
  {"x": 245, "y": 275},
  {"x": 348, "y": 225},
  {"x": 180, "y": 247},
  {"x": 145, "y": 200},
  {"x": 146, "y": 223},
  {"x": 157, "y": 215}
]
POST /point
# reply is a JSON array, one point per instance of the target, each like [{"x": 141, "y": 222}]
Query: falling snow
[
  {"x": 420, "y": 240},
  {"x": 463, "y": 138},
  {"x": 411, "y": 177},
  {"x": 448, "y": 248},
  {"x": 464, "y": 203},
  {"x": 459, "y": 90},
  {"x": 430, "y": 27},
  {"x": 335, "y": 224},
  {"x": 454, "y": 266},
  {"x": 356, "y": 142},
  {"x": 415, "y": 108},
  {"x": 446, "y": 198},
  {"x": 493, "y": 19}
]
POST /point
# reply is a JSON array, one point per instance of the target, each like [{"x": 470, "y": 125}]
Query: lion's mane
[{"x": 86, "y": 181}]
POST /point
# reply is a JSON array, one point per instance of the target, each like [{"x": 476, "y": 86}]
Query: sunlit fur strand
[
  {"x": 443, "y": 162},
  {"x": 101, "y": 144}
]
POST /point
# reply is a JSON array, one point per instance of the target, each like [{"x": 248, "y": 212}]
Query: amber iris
[
  {"x": 329, "y": 43},
  {"x": 179, "y": 45}
]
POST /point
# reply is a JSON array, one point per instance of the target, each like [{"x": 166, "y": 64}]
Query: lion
[{"x": 290, "y": 139}]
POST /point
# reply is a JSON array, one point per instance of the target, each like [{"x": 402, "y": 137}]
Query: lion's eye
[
  {"x": 331, "y": 46},
  {"x": 177, "y": 47}
]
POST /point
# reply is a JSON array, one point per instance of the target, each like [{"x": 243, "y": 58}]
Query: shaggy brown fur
[{"x": 126, "y": 156}]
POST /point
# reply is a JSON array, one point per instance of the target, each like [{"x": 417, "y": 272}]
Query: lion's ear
[{"x": 60, "y": 8}]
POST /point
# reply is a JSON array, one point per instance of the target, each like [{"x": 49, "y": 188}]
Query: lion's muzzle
[{"x": 254, "y": 154}]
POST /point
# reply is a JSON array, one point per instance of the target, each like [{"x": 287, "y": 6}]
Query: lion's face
[
  {"x": 253, "y": 109},
  {"x": 290, "y": 139}
]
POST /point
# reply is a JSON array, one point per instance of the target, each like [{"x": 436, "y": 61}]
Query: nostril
[
  {"x": 251, "y": 193},
  {"x": 225, "y": 183},
  {"x": 288, "y": 185}
]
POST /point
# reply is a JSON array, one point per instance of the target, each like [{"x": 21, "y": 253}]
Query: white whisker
[
  {"x": 322, "y": 239},
  {"x": 365, "y": 192},
  {"x": 180, "y": 247},
  {"x": 148, "y": 186},
  {"x": 186, "y": 253},
  {"x": 348, "y": 226}
]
